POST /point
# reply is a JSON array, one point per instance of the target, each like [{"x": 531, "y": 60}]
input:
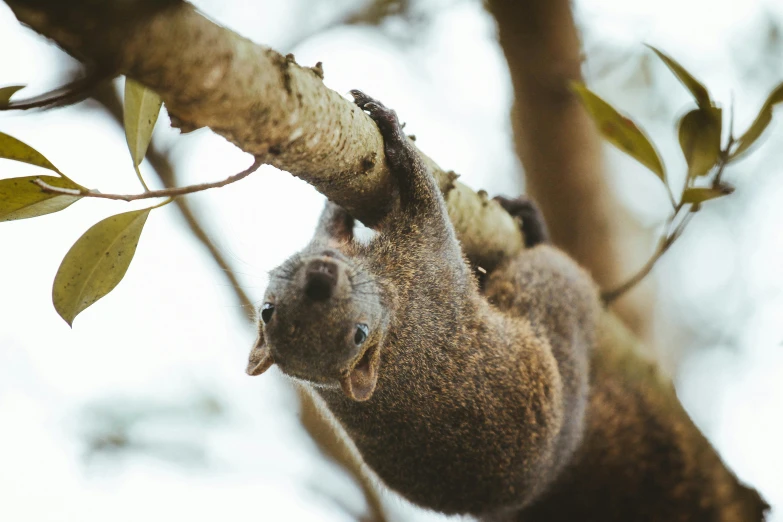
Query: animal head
[{"x": 322, "y": 321}]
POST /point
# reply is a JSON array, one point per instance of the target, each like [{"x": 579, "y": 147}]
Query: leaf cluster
[
  {"x": 700, "y": 132},
  {"x": 99, "y": 259}
]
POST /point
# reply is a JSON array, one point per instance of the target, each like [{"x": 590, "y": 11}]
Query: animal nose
[{"x": 320, "y": 279}]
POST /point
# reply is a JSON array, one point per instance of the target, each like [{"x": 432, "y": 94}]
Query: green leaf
[
  {"x": 96, "y": 263},
  {"x": 13, "y": 149},
  {"x": 760, "y": 123},
  {"x": 620, "y": 131},
  {"x": 20, "y": 198},
  {"x": 142, "y": 107},
  {"x": 696, "y": 88},
  {"x": 700, "y": 195},
  {"x": 699, "y": 133},
  {"x": 6, "y": 93}
]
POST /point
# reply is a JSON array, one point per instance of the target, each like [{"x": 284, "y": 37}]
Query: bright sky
[{"x": 171, "y": 329}]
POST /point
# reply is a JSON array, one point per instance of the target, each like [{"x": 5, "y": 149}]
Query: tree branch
[
  {"x": 261, "y": 101},
  {"x": 560, "y": 149},
  {"x": 171, "y": 192}
]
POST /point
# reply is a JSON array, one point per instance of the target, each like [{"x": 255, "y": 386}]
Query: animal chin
[{"x": 358, "y": 382}]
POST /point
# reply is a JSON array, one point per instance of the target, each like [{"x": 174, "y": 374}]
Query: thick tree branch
[
  {"x": 560, "y": 148},
  {"x": 261, "y": 101}
]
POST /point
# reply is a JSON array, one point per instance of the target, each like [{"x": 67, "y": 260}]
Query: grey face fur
[{"x": 322, "y": 321}]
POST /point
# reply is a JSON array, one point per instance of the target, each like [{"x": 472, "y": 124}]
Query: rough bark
[
  {"x": 560, "y": 148},
  {"x": 265, "y": 103}
]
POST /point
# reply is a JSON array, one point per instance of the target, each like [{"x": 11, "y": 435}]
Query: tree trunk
[{"x": 561, "y": 150}]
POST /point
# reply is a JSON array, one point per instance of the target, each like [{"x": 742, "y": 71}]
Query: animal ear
[
  {"x": 260, "y": 358},
  {"x": 359, "y": 383}
]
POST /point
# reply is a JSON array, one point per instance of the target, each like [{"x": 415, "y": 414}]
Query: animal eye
[
  {"x": 267, "y": 311},
  {"x": 361, "y": 334}
]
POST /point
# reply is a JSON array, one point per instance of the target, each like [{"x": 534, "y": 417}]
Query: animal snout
[{"x": 321, "y": 279}]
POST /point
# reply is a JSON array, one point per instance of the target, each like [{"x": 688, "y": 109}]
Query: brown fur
[{"x": 493, "y": 404}]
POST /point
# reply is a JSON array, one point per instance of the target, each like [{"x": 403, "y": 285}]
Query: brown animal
[{"x": 496, "y": 403}]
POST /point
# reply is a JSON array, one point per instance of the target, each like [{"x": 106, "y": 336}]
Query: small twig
[
  {"x": 726, "y": 152},
  {"x": 731, "y": 121},
  {"x": 609, "y": 296},
  {"x": 73, "y": 92},
  {"x": 680, "y": 228},
  {"x": 107, "y": 96},
  {"x": 162, "y": 166},
  {"x": 164, "y": 193},
  {"x": 724, "y": 160},
  {"x": 671, "y": 195},
  {"x": 49, "y": 189}
]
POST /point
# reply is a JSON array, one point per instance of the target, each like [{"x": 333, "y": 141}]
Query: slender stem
[
  {"x": 680, "y": 228},
  {"x": 724, "y": 160},
  {"x": 68, "y": 94},
  {"x": 165, "y": 193},
  {"x": 163, "y": 203},
  {"x": 163, "y": 169},
  {"x": 725, "y": 154},
  {"x": 731, "y": 122},
  {"x": 609, "y": 296},
  {"x": 671, "y": 196},
  {"x": 141, "y": 178},
  {"x": 670, "y": 236}
]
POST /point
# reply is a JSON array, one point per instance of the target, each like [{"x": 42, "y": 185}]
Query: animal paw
[
  {"x": 532, "y": 220},
  {"x": 385, "y": 118}
]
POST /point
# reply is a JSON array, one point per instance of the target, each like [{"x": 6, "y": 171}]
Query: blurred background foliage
[{"x": 143, "y": 410}]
